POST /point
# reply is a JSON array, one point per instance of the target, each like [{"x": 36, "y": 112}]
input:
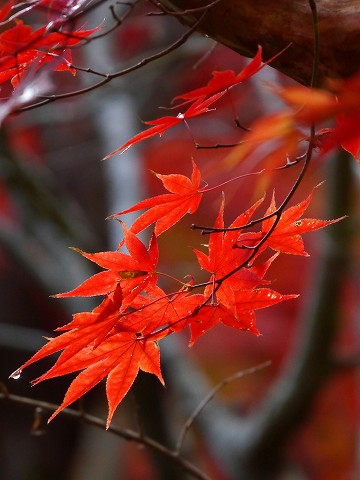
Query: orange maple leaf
[
  {"x": 160, "y": 125},
  {"x": 21, "y": 47},
  {"x": 86, "y": 328},
  {"x": 223, "y": 80},
  {"x": 132, "y": 272},
  {"x": 286, "y": 236},
  {"x": 158, "y": 312},
  {"x": 242, "y": 317},
  {"x": 119, "y": 358},
  {"x": 167, "y": 209},
  {"x": 223, "y": 258}
]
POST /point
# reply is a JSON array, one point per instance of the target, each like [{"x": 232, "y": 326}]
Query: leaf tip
[
  {"x": 77, "y": 250},
  {"x": 109, "y": 418},
  {"x": 53, "y": 415}
]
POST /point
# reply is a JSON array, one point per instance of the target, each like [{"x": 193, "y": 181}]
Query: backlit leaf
[{"x": 167, "y": 209}]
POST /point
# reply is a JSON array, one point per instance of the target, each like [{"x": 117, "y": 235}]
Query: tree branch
[
  {"x": 244, "y": 24},
  {"x": 237, "y": 442},
  {"x": 291, "y": 396},
  {"x": 126, "y": 434}
]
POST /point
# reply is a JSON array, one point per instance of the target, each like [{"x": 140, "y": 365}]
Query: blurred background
[{"x": 56, "y": 193}]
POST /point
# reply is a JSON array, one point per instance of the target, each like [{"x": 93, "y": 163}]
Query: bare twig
[
  {"x": 126, "y": 434},
  {"x": 211, "y": 395},
  {"x": 216, "y": 146},
  {"x": 108, "y": 77},
  {"x": 188, "y": 11}
]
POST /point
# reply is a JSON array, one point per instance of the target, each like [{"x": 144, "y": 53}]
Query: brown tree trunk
[{"x": 274, "y": 24}]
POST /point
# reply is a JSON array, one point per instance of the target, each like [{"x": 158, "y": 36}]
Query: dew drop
[
  {"x": 298, "y": 223},
  {"x": 272, "y": 296},
  {"x": 16, "y": 375}
]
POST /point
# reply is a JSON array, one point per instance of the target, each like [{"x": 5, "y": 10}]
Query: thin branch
[
  {"x": 216, "y": 146},
  {"x": 126, "y": 434},
  {"x": 308, "y": 156},
  {"x": 316, "y": 58},
  {"x": 108, "y": 77},
  {"x": 342, "y": 363},
  {"x": 312, "y": 359},
  {"x": 279, "y": 210},
  {"x": 188, "y": 11},
  {"x": 211, "y": 395},
  {"x": 117, "y": 22}
]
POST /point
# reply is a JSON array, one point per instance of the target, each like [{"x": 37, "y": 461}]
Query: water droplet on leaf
[{"x": 16, "y": 375}]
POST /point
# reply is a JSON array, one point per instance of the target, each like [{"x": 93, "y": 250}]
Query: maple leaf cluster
[
  {"x": 306, "y": 107},
  {"x": 121, "y": 335},
  {"x": 200, "y": 100},
  {"x": 23, "y": 49}
]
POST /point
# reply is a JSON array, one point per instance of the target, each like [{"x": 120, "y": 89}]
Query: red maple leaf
[
  {"x": 86, "y": 328},
  {"x": 5, "y": 10},
  {"x": 223, "y": 259},
  {"x": 159, "y": 312},
  {"x": 167, "y": 209},
  {"x": 233, "y": 291},
  {"x": 132, "y": 272},
  {"x": 223, "y": 80},
  {"x": 211, "y": 315},
  {"x": 22, "y": 48},
  {"x": 146, "y": 315},
  {"x": 119, "y": 358},
  {"x": 160, "y": 125},
  {"x": 346, "y": 133},
  {"x": 286, "y": 237},
  {"x": 242, "y": 317}
]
